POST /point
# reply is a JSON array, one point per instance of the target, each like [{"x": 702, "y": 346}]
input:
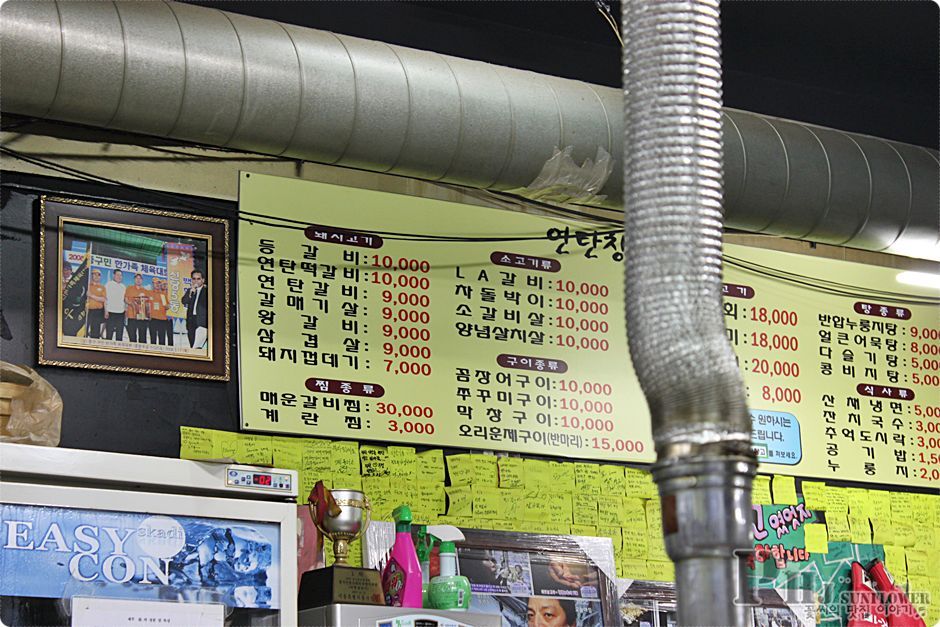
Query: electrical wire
[
  {"x": 604, "y": 10},
  {"x": 813, "y": 283}
]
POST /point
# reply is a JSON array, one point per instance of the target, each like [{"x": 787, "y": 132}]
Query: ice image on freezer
[{"x": 55, "y": 552}]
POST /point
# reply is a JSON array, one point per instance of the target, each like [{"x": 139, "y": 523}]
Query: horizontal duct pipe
[{"x": 202, "y": 75}]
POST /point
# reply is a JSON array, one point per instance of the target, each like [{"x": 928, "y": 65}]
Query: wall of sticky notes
[{"x": 794, "y": 520}]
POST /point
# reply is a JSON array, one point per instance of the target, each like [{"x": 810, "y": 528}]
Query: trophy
[{"x": 342, "y": 516}]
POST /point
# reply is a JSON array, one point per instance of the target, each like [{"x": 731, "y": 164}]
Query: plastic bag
[
  {"x": 562, "y": 180},
  {"x": 30, "y": 408}
]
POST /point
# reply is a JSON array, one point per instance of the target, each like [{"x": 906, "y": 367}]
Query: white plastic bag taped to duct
[
  {"x": 30, "y": 408},
  {"x": 562, "y": 180}
]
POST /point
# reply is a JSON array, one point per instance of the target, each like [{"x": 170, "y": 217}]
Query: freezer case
[{"x": 87, "y": 533}]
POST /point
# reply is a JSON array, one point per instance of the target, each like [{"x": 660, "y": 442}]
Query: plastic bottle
[
  {"x": 449, "y": 591},
  {"x": 424, "y": 547},
  {"x": 401, "y": 579}
]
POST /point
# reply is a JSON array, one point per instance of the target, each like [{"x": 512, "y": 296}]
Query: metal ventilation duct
[{"x": 203, "y": 75}]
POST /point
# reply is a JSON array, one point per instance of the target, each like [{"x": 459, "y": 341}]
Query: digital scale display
[{"x": 241, "y": 477}]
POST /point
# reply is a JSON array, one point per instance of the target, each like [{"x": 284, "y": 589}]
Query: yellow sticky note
[
  {"x": 538, "y": 474},
  {"x": 901, "y": 507},
  {"x": 760, "y": 491},
  {"x": 639, "y": 483},
  {"x": 513, "y": 503},
  {"x": 484, "y": 470},
  {"x": 880, "y": 502},
  {"x": 430, "y": 497},
  {"x": 583, "y": 530},
  {"x": 562, "y": 477},
  {"x": 860, "y": 530},
  {"x": 375, "y": 487},
  {"x": 584, "y": 509},
  {"x": 816, "y": 538},
  {"x": 403, "y": 462},
  {"x": 257, "y": 450},
  {"x": 511, "y": 472},
  {"x": 634, "y": 569},
  {"x": 905, "y": 534},
  {"x": 288, "y": 453},
  {"x": 661, "y": 571},
  {"x": 559, "y": 508},
  {"x": 430, "y": 465},
  {"x": 612, "y": 479},
  {"x": 345, "y": 458},
  {"x": 916, "y": 563},
  {"x": 227, "y": 443},
  {"x": 487, "y": 503},
  {"x": 784, "y": 490},
  {"x": 374, "y": 460},
  {"x": 654, "y": 517},
  {"x": 859, "y": 503},
  {"x": 460, "y": 501},
  {"x": 814, "y": 495},
  {"x": 837, "y": 500},
  {"x": 588, "y": 478},
  {"x": 635, "y": 541},
  {"x": 608, "y": 511},
  {"x": 536, "y": 506},
  {"x": 460, "y": 469},
  {"x": 607, "y": 531},
  {"x": 318, "y": 458},
  {"x": 197, "y": 444},
  {"x": 882, "y": 531},
  {"x": 895, "y": 562},
  {"x": 838, "y": 526},
  {"x": 347, "y": 482}
]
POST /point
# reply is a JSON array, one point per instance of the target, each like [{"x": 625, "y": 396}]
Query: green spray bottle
[
  {"x": 448, "y": 591},
  {"x": 423, "y": 546}
]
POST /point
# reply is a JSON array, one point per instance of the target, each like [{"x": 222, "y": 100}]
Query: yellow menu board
[{"x": 378, "y": 316}]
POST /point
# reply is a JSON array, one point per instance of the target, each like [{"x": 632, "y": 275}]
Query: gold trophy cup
[{"x": 342, "y": 516}]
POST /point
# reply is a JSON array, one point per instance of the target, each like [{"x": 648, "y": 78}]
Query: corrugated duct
[
  {"x": 675, "y": 324},
  {"x": 203, "y": 75}
]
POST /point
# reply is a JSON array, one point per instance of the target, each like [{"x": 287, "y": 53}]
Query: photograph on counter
[
  {"x": 496, "y": 572},
  {"x": 501, "y": 568},
  {"x": 133, "y": 289},
  {"x": 514, "y": 574}
]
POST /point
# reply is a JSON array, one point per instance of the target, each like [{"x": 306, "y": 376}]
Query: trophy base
[{"x": 340, "y": 584}]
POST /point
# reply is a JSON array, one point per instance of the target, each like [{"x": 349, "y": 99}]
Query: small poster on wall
[{"x": 133, "y": 289}]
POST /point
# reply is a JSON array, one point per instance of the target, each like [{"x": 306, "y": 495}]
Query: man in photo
[
  {"x": 114, "y": 306},
  {"x": 547, "y": 612},
  {"x": 97, "y": 297},
  {"x": 138, "y": 321},
  {"x": 196, "y": 300},
  {"x": 161, "y": 328}
]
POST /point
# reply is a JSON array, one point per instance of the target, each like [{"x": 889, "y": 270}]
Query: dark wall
[{"x": 107, "y": 411}]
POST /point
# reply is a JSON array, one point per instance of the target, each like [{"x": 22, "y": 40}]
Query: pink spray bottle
[{"x": 401, "y": 579}]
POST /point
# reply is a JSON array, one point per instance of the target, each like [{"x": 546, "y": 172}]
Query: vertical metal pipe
[{"x": 673, "y": 202}]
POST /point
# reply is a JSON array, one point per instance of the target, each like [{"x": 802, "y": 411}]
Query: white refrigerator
[{"x": 89, "y": 538}]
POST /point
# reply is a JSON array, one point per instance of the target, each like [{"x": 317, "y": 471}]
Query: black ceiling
[{"x": 864, "y": 66}]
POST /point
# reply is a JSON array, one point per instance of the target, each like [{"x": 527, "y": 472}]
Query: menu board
[{"x": 377, "y": 316}]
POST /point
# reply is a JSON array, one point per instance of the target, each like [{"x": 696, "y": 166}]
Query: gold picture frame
[{"x": 149, "y": 324}]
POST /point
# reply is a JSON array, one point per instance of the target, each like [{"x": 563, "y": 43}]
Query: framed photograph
[
  {"x": 527, "y": 578},
  {"x": 133, "y": 289}
]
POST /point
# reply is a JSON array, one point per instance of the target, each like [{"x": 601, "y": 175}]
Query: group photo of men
[{"x": 160, "y": 304}]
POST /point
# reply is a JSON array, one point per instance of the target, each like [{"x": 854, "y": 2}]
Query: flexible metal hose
[{"x": 685, "y": 364}]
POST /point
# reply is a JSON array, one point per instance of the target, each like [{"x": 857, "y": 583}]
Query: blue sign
[
  {"x": 775, "y": 437},
  {"x": 56, "y": 552}
]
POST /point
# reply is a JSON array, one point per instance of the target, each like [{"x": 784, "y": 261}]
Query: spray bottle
[
  {"x": 448, "y": 591},
  {"x": 401, "y": 579},
  {"x": 424, "y": 545}
]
